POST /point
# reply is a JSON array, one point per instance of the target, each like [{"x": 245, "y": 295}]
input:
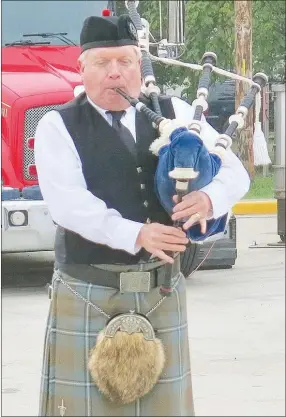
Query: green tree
[{"x": 269, "y": 38}]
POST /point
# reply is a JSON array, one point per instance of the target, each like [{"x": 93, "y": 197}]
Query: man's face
[{"x": 106, "y": 68}]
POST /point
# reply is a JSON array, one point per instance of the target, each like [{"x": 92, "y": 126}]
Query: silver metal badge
[
  {"x": 132, "y": 30},
  {"x": 130, "y": 323},
  {"x": 135, "y": 281},
  {"x": 62, "y": 408}
]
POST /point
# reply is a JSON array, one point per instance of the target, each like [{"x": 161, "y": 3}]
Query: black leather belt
[{"x": 130, "y": 281}]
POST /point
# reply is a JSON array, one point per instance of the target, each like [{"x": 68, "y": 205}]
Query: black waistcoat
[{"x": 113, "y": 175}]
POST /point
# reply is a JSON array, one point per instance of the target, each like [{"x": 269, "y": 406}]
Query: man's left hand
[{"x": 196, "y": 206}]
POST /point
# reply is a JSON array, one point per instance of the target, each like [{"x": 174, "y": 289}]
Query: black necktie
[{"x": 124, "y": 133}]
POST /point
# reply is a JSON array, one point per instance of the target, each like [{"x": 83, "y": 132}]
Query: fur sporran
[{"x": 127, "y": 359}]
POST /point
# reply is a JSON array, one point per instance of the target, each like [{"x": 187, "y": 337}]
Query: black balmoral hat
[{"x": 103, "y": 32}]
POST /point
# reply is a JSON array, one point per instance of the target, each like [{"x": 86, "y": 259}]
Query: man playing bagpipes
[{"x": 116, "y": 344}]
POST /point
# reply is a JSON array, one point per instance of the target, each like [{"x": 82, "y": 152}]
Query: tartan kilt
[{"x": 72, "y": 329}]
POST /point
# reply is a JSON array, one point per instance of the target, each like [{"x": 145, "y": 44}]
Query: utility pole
[{"x": 243, "y": 66}]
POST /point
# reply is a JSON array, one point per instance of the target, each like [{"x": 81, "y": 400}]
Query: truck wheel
[{"x": 190, "y": 259}]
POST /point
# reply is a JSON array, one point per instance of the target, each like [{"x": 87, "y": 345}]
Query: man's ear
[{"x": 80, "y": 66}]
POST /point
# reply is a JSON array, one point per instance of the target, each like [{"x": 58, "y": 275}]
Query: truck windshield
[{"x": 24, "y": 16}]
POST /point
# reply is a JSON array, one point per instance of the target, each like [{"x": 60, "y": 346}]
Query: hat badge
[{"x": 132, "y": 30}]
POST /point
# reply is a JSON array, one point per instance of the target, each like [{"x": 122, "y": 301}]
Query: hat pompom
[{"x": 106, "y": 12}]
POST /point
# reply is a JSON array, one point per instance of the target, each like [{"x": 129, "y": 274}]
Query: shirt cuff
[
  {"x": 125, "y": 234},
  {"x": 219, "y": 199}
]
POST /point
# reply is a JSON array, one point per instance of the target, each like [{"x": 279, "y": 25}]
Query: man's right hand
[{"x": 157, "y": 238}]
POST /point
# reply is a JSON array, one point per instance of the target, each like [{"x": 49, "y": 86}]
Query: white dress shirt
[{"x": 75, "y": 208}]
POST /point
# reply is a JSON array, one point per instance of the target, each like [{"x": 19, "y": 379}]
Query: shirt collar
[{"x": 102, "y": 111}]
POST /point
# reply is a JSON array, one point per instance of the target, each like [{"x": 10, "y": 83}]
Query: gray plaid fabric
[{"x": 71, "y": 332}]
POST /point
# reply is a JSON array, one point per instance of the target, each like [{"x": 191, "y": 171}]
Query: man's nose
[{"x": 113, "y": 70}]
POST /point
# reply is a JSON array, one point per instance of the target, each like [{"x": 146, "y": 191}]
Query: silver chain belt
[{"x": 58, "y": 277}]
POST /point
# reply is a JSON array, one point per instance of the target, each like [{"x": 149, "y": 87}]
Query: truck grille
[{"x": 32, "y": 118}]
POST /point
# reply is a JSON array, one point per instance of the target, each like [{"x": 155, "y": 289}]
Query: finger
[
  {"x": 177, "y": 199},
  {"x": 192, "y": 220},
  {"x": 203, "y": 223},
  {"x": 193, "y": 195},
  {"x": 171, "y": 230},
  {"x": 173, "y": 239},
  {"x": 186, "y": 213},
  {"x": 171, "y": 247},
  {"x": 187, "y": 201},
  {"x": 162, "y": 255}
]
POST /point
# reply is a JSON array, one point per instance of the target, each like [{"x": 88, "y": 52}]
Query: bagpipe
[{"x": 184, "y": 162}]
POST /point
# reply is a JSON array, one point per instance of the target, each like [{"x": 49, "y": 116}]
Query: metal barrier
[{"x": 279, "y": 167}]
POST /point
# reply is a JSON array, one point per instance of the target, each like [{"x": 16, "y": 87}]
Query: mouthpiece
[
  {"x": 131, "y": 100},
  {"x": 152, "y": 116}
]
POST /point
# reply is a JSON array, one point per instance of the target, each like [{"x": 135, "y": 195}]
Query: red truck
[{"x": 39, "y": 72}]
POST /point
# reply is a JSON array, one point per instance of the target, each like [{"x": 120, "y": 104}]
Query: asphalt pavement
[{"x": 236, "y": 328}]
